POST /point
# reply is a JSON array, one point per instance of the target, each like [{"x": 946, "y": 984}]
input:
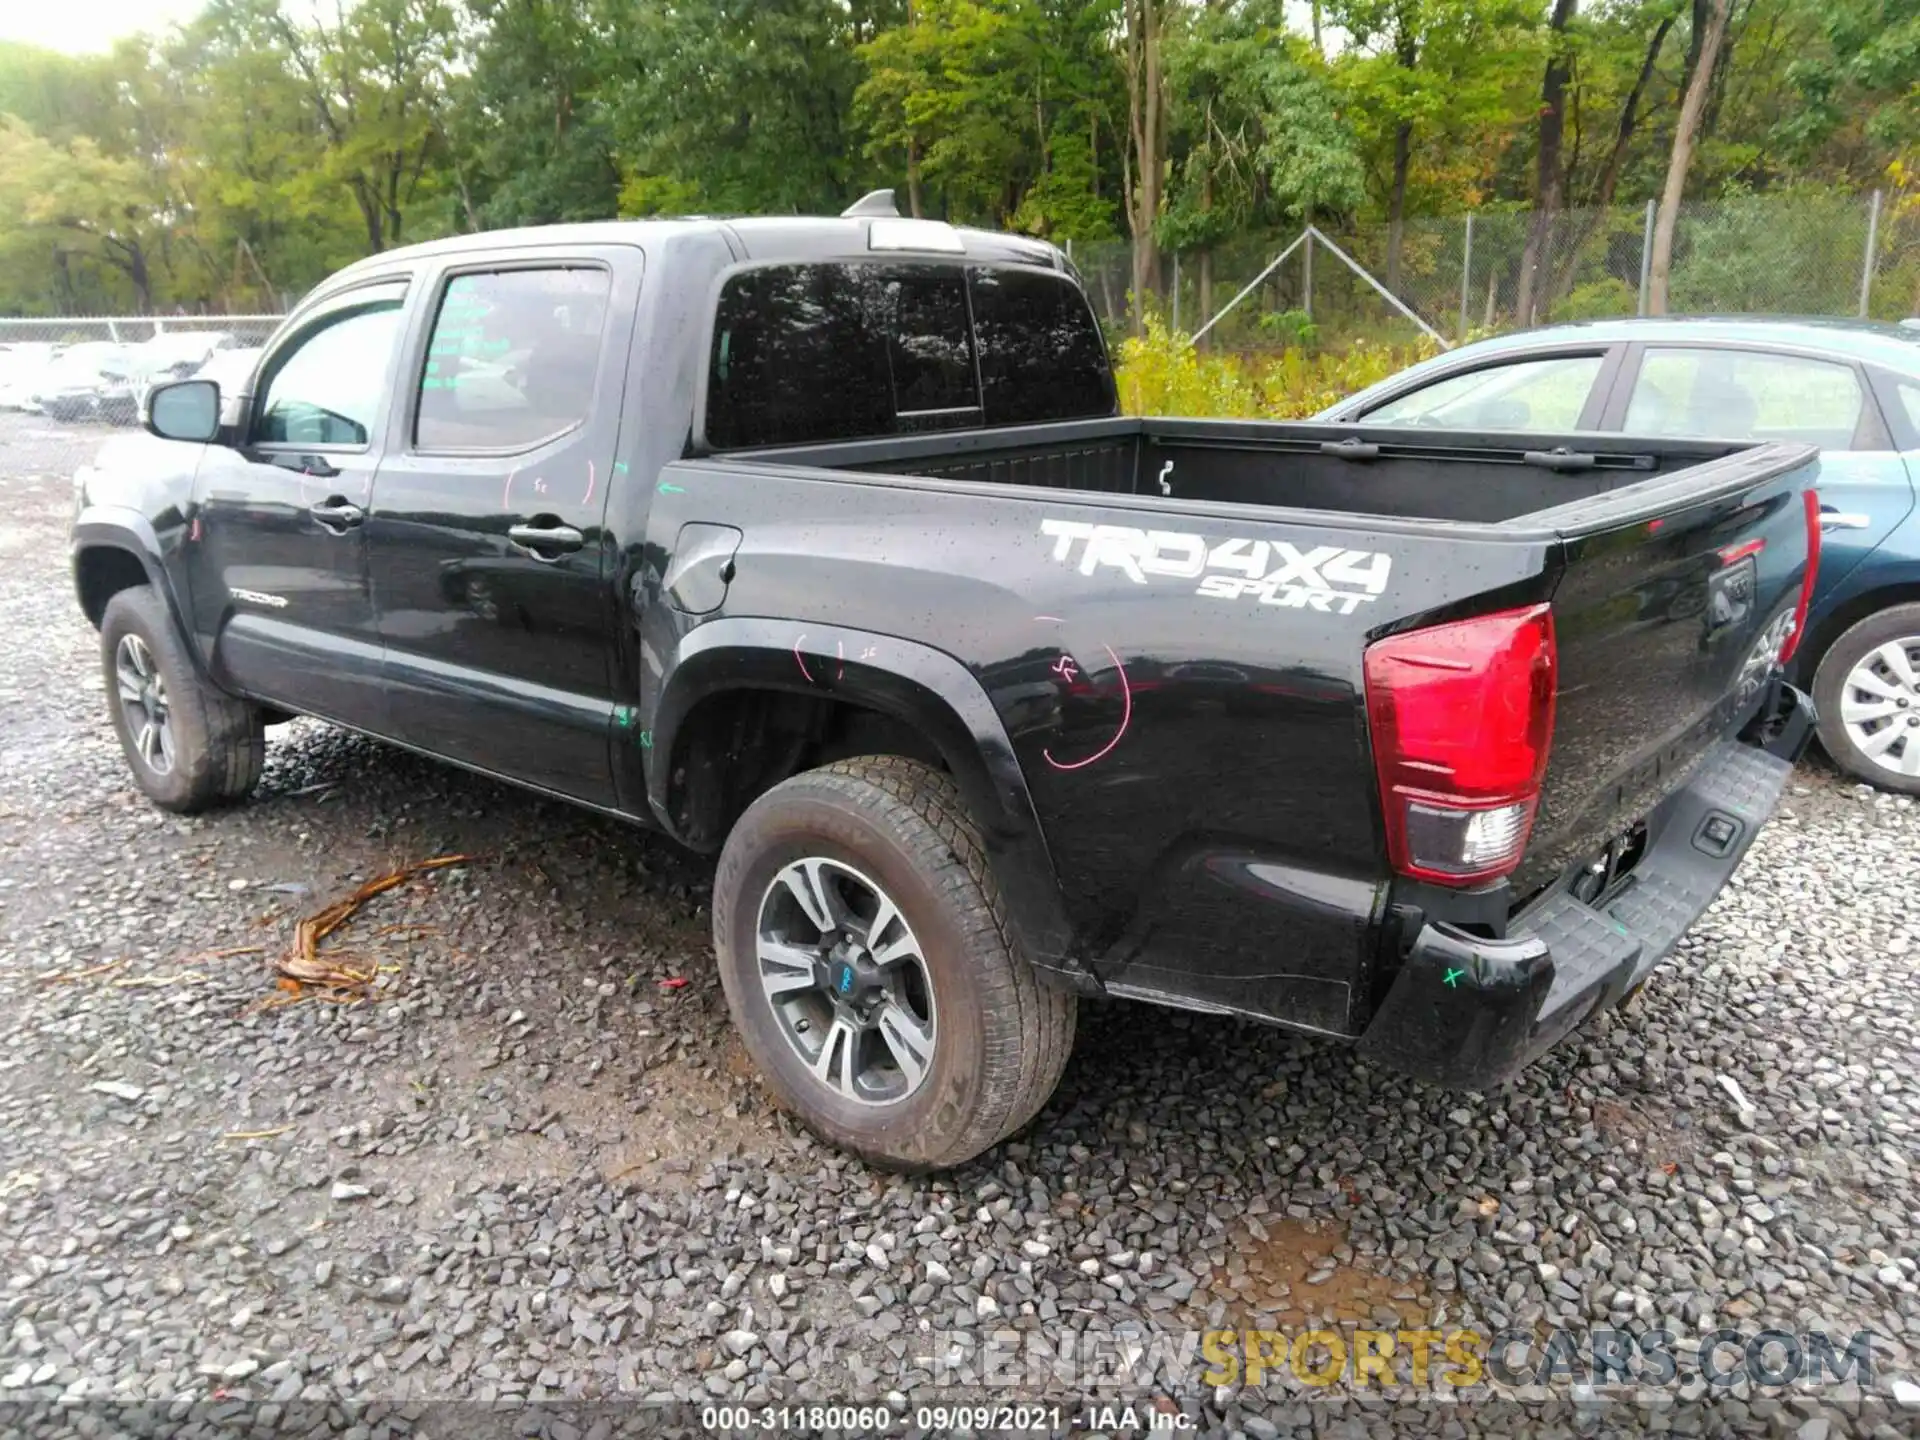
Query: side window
[
  {"x": 1745, "y": 395},
  {"x": 1910, "y": 402},
  {"x": 1041, "y": 355},
  {"x": 329, "y": 387},
  {"x": 1546, "y": 394},
  {"x": 512, "y": 358}
]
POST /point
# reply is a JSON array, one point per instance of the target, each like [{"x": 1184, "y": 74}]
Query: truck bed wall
[{"x": 1416, "y": 475}]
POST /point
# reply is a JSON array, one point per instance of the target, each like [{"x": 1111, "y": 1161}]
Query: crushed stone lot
[{"x": 534, "y": 1164}]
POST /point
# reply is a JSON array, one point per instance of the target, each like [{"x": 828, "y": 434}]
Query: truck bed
[{"x": 1345, "y": 469}]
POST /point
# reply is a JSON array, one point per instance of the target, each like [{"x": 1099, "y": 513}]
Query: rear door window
[
  {"x": 844, "y": 351},
  {"x": 512, "y": 359},
  {"x": 1745, "y": 395}
]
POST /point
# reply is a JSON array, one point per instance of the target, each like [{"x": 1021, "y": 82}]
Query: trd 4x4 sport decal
[{"x": 1326, "y": 578}]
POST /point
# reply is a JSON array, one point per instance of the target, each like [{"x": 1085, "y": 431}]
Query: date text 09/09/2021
[{"x": 942, "y": 1419}]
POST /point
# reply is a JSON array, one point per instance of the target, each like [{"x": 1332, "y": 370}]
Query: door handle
[
  {"x": 1831, "y": 519},
  {"x": 337, "y": 510},
  {"x": 547, "y": 542}
]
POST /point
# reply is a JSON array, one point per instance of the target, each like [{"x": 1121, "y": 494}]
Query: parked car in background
[
  {"x": 22, "y": 363},
  {"x": 1850, "y": 387},
  {"x": 87, "y": 381}
]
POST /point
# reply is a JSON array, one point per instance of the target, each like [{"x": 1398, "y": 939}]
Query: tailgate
[{"x": 1669, "y": 614}]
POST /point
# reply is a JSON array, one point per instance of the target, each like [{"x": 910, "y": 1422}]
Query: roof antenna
[{"x": 874, "y": 202}]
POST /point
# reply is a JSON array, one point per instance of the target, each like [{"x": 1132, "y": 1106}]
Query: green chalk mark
[
  {"x": 672, "y": 490},
  {"x": 1453, "y": 978},
  {"x": 646, "y": 739},
  {"x": 619, "y": 467}
]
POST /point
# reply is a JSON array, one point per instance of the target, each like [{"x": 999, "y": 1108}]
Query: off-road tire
[
  {"x": 219, "y": 742},
  {"x": 1003, "y": 1035}
]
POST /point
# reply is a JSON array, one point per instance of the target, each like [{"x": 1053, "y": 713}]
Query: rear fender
[{"x": 911, "y": 683}]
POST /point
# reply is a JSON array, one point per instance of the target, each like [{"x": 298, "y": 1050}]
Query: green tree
[
  {"x": 1429, "y": 73},
  {"x": 530, "y": 137},
  {"x": 739, "y": 105},
  {"x": 1259, "y": 135}
]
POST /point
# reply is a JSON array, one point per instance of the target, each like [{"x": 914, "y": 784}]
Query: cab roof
[{"x": 762, "y": 238}]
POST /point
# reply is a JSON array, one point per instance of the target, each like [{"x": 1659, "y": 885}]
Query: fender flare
[
  {"x": 117, "y": 527},
  {"x": 913, "y": 683}
]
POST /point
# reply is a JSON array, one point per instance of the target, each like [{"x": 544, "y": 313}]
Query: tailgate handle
[
  {"x": 1351, "y": 449},
  {"x": 1832, "y": 519},
  {"x": 1560, "y": 459}
]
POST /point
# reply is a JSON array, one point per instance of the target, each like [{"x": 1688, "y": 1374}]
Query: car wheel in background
[
  {"x": 866, "y": 961},
  {"x": 1867, "y": 692},
  {"x": 190, "y": 746}
]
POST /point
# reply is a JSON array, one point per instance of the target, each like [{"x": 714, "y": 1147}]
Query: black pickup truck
[{"x": 820, "y": 543}]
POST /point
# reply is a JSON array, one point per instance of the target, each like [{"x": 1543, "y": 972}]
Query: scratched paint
[{"x": 1126, "y": 718}]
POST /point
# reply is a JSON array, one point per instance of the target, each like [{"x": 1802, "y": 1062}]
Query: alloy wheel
[
  {"x": 847, "y": 981},
  {"x": 143, "y": 700}
]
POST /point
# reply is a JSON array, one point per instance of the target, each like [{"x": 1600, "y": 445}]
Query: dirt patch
[
  {"x": 1643, "y": 1136},
  {"x": 692, "y": 1115},
  {"x": 1285, "y": 1273}
]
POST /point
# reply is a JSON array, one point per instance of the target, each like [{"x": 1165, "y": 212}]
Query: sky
[{"x": 88, "y": 27}]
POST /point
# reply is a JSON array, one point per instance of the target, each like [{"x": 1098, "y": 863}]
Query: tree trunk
[
  {"x": 1550, "y": 175},
  {"x": 913, "y": 178},
  {"x": 1397, "y": 204},
  {"x": 1609, "y": 182},
  {"x": 1145, "y": 102},
  {"x": 1692, "y": 107}
]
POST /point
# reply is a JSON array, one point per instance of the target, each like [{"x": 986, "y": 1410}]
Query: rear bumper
[{"x": 1469, "y": 1012}]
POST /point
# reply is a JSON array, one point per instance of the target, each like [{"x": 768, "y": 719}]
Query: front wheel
[
  {"x": 190, "y": 746},
  {"x": 865, "y": 957},
  {"x": 1867, "y": 693}
]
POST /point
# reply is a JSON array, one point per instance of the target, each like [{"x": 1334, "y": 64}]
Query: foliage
[
  {"x": 232, "y": 161},
  {"x": 1598, "y": 299},
  {"x": 1161, "y": 373}
]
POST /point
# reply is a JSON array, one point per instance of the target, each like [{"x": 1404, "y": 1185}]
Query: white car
[
  {"x": 83, "y": 382},
  {"x": 21, "y": 367}
]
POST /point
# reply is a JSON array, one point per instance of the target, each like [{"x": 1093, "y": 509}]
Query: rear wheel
[
  {"x": 866, "y": 961},
  {"x": 189, "y": 745},
  {"x": 1867, "y": 693}
]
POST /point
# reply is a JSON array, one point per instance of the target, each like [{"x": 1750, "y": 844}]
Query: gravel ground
[{"x": 536, "y": 1166}]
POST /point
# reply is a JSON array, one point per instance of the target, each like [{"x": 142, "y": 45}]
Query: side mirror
[{"x": 184, "y": 410}]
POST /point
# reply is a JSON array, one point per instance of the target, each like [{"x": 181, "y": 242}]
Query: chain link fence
[
  {"x": 71, "y": 382},
  {"x": 1833, "y": 255}
]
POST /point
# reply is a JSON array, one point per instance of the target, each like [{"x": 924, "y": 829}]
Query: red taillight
[
  {"x": 1792, "y": 642},
  {"x": 1462, "y": 718}
]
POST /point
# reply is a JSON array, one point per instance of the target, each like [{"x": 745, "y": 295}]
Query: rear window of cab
[{"x": 808, "y": 353}]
